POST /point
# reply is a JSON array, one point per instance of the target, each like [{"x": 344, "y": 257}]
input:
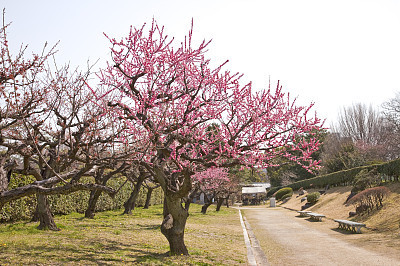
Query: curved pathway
[{"x": 304, "y": 244}]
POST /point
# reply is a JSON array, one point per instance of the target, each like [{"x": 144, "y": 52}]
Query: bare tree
[
  {"x": 367, "y": 129},
  {"x": 392, "y": 110},
  {"x": 68, "y": 136},
  {"x": 392, "y": 115},
  {"x": 360, "y": 123},
  {"x": 20, "y": 97}
]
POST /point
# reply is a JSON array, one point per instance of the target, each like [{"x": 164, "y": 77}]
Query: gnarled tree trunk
[
  {"x": 44, "y": 215},
  {"x": 173, "y": 225},
  {"x": 175, "y": 215},
  {"x": 93, "y": 199}
]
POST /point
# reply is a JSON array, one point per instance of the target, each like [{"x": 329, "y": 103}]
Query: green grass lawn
[{"x": 111, "y": 238}]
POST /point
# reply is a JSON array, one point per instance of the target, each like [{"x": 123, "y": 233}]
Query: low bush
[
  {"x": 313, "y": 197},
  {"x": 272, "y": 191},
  {"x": 370, "y": 198},
  {"x": 282, "y": 192},
  {"x": 286, "y": 196}
]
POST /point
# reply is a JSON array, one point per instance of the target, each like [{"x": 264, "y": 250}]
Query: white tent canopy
[{"x": 253, "y": 190}]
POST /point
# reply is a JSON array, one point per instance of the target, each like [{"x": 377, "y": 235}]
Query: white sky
[{"x": 332, "y": 53}]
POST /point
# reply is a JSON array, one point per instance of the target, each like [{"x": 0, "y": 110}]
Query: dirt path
[{"x": 290, "y": 240}]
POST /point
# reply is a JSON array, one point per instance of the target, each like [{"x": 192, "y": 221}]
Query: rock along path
[{"x": 304, "y": 244}]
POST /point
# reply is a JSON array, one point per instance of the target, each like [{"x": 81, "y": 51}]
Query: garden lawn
[{"x": 111, "y": 238}]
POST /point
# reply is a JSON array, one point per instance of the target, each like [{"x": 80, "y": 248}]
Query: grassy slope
[{"x": 110, "y": 238}]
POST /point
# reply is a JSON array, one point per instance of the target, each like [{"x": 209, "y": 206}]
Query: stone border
[{"x": 255, "y": 255}]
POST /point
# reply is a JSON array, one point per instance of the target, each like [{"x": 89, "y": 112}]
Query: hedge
[
  {"x": 280, "y": 194},
  {"x": 23, "y": 208},
  {"x": 389, "y": 171}
]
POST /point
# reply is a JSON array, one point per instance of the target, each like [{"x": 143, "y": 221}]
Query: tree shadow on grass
[
  {"x": 149, "y": 257},
  {"x": 149, "y": 227},
  {"x": 106, "y": 253}
]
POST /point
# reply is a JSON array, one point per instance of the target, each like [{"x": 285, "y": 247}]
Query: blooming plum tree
[
  {"x": 170, "y": 95},
  {"x": 211, "y": 182}
]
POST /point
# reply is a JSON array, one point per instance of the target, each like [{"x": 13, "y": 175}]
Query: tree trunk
[
  {"x": 207, "y": 203},
  {"x": 44, "y": 214},
  {"x": 220, "y": 201},
  {"x": 94, "y": 197},
  {"x": 3, "y": 178},
  {"x": 205, "y": 207},
  {"x": 129, "y": 205},
  {"x": 190, "y": 198},
  {"x": 227, "y": 201},
  {"x": 173, "y": 225},
  {"x": 187, "y": 204},
  {"x": 5, "y": 172},
  {"x": 148, "y": 198}
]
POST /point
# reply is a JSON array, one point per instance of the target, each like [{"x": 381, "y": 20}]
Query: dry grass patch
[
  {"x": 332, "y": 204},
  {"x": 114, "y": 239},
  {"x": 388, "y": 218}
]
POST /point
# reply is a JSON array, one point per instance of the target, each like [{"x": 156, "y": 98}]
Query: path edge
[{"x": 255, "y": 255}]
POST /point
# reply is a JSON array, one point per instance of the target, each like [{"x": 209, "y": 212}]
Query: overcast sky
[{"x": 332, "y": 53}]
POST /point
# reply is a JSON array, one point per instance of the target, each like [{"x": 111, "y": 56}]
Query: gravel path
[{"x": 304, "y": 244}]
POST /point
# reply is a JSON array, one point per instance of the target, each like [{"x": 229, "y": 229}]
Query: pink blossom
[{"x": 193, "y": 115}]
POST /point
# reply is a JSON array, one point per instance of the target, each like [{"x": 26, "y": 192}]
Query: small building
[{"x": 253, "y": 194}]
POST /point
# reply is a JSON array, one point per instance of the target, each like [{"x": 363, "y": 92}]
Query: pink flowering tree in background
[
  {"x": 211, "y": 182},
  {"x": 169, "y": 95}
]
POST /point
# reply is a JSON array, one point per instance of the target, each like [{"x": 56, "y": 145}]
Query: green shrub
[
  {"x": 282, "y": 192},
  {"x": 272, "y": 191},
  {"x": 313, "y": 197},
  {"x": 286, "y": 196},
  {"x": 20, "y": 209}
]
